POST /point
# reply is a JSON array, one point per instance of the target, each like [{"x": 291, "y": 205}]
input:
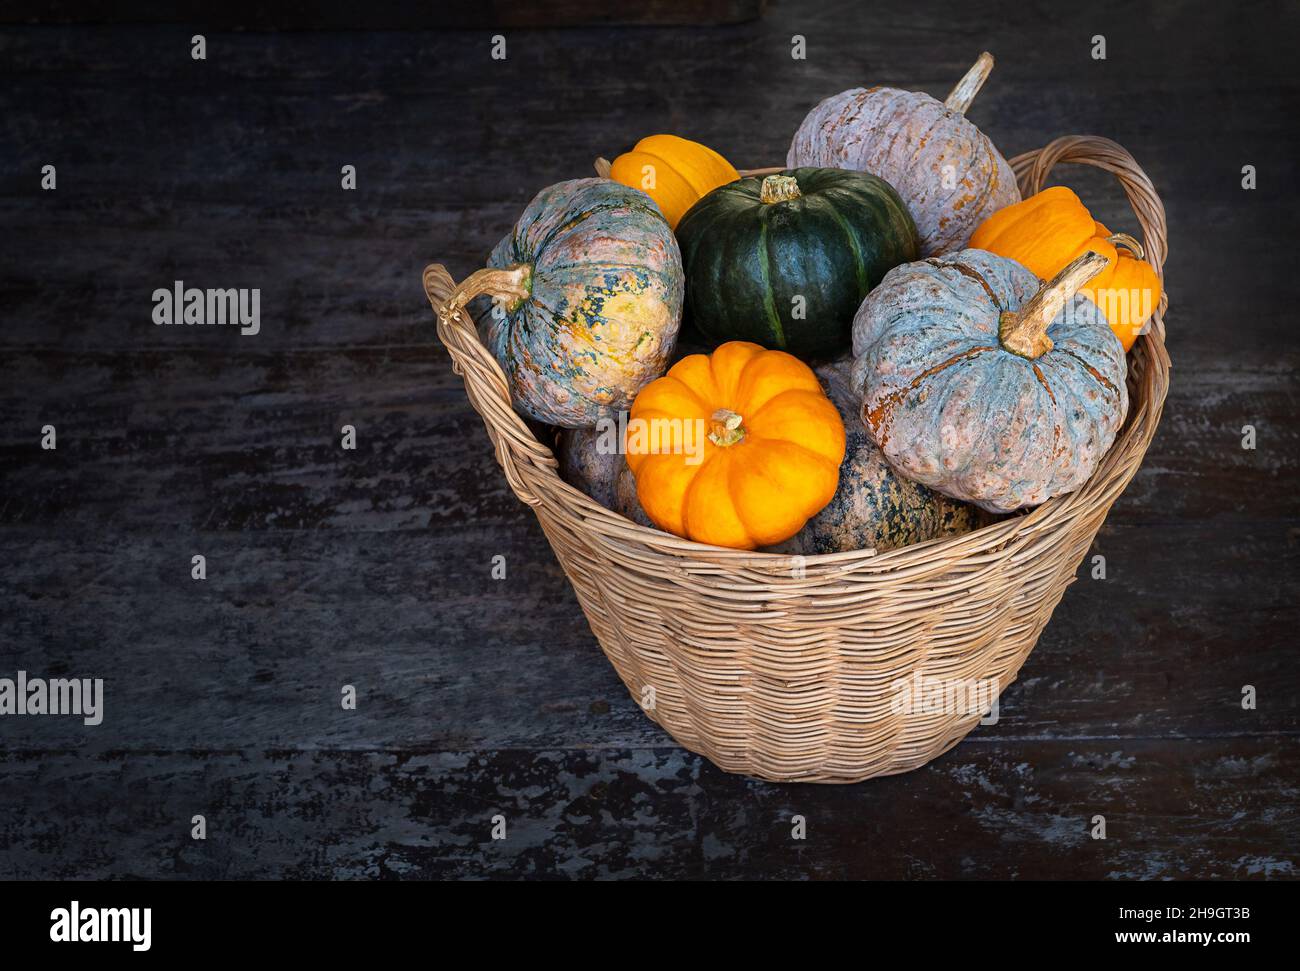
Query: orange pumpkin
[
  {"x": 1048, "y": 231},
  {"x": 675, "y": 172},
  {"x": 1130, "y": 294},
  {"x": 736, "y": 448}
]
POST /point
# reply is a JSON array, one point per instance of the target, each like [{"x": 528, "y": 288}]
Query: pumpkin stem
[
  {"x": 726, "y": 429},
  {"x": 969, "y": 86},
  {"x": 1127, "y": 241},
  {"x": 1025, "y": 332},
  {"x": 779, "y": 188},
  {"x": 514, "y": 284}
]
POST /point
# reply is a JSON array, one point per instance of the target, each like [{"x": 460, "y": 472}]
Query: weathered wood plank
[
  {"x": 1202, "y": 809},
  {"x": 371, "y": 567},
  {"x": 335, "y": 15}
]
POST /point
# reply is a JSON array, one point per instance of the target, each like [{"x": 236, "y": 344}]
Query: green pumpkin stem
[
  {"x": 969, "y": 86},
  {"x": 779, "y": 188},
  {"x": 1024, "y": 332},
  {"x": 727, "y": 428}
]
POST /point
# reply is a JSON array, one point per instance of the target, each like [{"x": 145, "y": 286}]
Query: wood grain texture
[
  {"x": 371, "y": 567},
  {"x": 1213, "y": 810},
  {"x": 340, "y": 15}
]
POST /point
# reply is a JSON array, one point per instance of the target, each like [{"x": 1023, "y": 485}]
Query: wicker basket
[{"x": 788, "y": 668}]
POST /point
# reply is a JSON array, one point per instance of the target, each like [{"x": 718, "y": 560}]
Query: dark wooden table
[{"x": 372, "y": 567}]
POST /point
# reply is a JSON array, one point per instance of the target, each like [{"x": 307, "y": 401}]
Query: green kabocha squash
[
  {"x": 981, "y": 382},
  {"x": 874, "y": 507},
  {"x": 784, "y": 260},
  {"x": 589, "y": 301}
]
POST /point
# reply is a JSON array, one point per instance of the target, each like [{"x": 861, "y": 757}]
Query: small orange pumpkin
[
  {"x": 1130, "y": 294},
  {"x": 675, "y": 172},
  {"x": 736, "y": 448},
  {"x": 1048, "y": 231}
]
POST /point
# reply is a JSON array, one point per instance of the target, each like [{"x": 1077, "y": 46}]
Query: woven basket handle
[
  {"x": 1032, "y": 169},
  {"x": 517, "y": 449}
]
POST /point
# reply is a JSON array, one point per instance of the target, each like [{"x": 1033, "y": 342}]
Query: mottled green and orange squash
[
  {"x": 874, "y": 507},
  {"x": 950, "y": 175},
  {"x": 981, "y": 382},
  {"x": 594, "y": 282}
]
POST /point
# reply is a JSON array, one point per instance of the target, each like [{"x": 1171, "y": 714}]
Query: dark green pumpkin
[{"x": 750, "y": 248}]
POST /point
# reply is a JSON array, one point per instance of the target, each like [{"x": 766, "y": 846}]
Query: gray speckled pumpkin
[
  {"x": 626, "y": 502},
  {"x": 603, "y": 276},
  {"x": 874, "y": 507},
  {"x": 947, "y": 171},
  {"x": 985, "y": 385},
  {"x": 588, "y": 465}
]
